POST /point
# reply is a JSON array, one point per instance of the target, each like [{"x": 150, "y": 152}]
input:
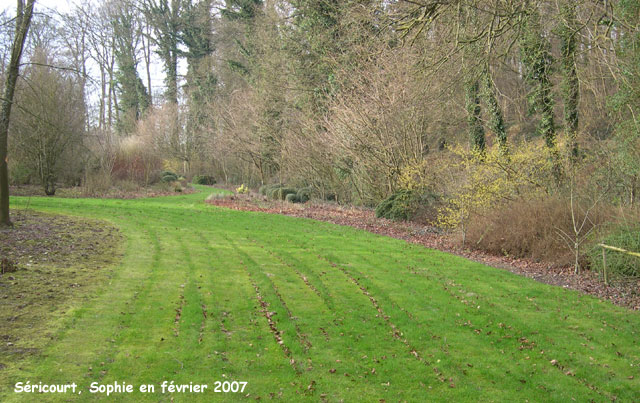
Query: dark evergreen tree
[
  {"x": 315, "y": 44},
  {"x": 201, "y": 80},
  {"x": 245, "y": 10}
]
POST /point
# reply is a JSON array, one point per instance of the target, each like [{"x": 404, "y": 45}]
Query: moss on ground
[{"x": 58, "y": 261}]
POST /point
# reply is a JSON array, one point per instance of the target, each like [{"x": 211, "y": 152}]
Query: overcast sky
[
  {"x": 62, "y": 6},
  {"x": 41, "y": 5}
]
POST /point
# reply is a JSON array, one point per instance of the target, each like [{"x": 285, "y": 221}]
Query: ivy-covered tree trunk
[
  {"x": 171, "y": 65},
  {"x": 626, "y": 103},
  {"x": 134, "y": 100},
  {"x": 201, "y": 79},
  {"x": 496, "y": 118},
  {"x": 164, "y": 17},
  {"x": 476, "y": 131},
  {"x": 570, "y": 83},
  {"x": 472, "y": 84},
  {"x": 535, "y": 51},
  {"x": 23, "y": 20}
]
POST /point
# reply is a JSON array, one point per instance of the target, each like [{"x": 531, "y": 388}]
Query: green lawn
[{"x": 301, "y": 309}]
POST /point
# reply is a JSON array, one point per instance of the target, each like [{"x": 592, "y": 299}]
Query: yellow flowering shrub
[
  {"x": 483, "y": 181},
  {"x": 414, "y": 176},
  {"x": 171, "y": 165}
]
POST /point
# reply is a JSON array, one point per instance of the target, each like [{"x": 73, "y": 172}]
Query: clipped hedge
[
  {"x": 277, "y": 191},
  {"x": 270, "y": 190},
  {"x": 281, "y": 193},
  {"x": 267, "y": 190},
  {"x": 292, "y": 198},
  {"x": 304, "y": 195},
  {"x": 168, "y": 176}
]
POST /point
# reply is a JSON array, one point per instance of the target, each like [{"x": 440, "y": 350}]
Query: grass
[
  {"x": 301, "y": 309},
  {"x": 60, "y": 260}
]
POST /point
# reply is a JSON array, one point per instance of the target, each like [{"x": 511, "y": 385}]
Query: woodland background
[{"x": 513, "y": 123}]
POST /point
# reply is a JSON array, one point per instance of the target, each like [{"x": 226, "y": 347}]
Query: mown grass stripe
[
  {"x": 519, "y": 373},
  {"x": 352, "y": 354}
]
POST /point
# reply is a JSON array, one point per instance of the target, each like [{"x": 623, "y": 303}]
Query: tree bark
[
  {"x": 496, "y": 117},
  {"x": 147, "y": 61},
  {"x": 570, "y": 82},
  {"x": 23, "y": 19},
  {"x": 476, "y": 131}
]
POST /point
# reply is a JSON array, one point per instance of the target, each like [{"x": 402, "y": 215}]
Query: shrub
[
  {"x": 126, "y": 185},
  {"x": 303, "y": 195},
  {"x": 204, "y": 180},
  {"x": 263, "y": 190},
  {"x": 530, "y": 228},
  {"x": 168, "y": 176},
  {"x": 96, "y": 183},
  {"x": 217, "y": 196},
  {"x": 331, "y": 197},
  {"x": 407, "y": 205},
  {"x": 277, "y": 191},
  {"x": 292, "y": 198},
  {"x": 481, "y": 182},
  {"x": 269, "y": 190},
  {"x": 20, "y": 174},
  {"x": 281, "y": 193},
  {"x": 427, "y": 205},
  {"x": 134, "y": 159},
  {"x": 271, "y": 193},
  {"x": 395, "y": 207},
  {"x": 618, "y": 263}
]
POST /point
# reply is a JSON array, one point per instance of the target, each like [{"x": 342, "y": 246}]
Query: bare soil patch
[
  {"x": 588, "y": 282},
  {"x": 54, "y": 261},
  {"x": 112, "y": 193}
]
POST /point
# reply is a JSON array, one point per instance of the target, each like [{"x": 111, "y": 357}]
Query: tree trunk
[
  {"x": 496, "y": 118},
  {"x": 570, "y": 82},
  {"x": 111, "y": 90},
  {"x": 49, "y": 185},
  {"x": 172, "y": 76},
  {"x": 23, "y": 19},
  {"x": 103, "y": 95},
  {"x": 146, "y": 49},
  {"x": 476, "y": 131}
]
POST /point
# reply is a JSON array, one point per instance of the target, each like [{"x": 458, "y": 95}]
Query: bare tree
[
  {"x": 23, "y": 19},
  {"x": 100, "y": 41},
  {"x": 75, "y": 30},
  {"x": 48, "y": 125}
]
